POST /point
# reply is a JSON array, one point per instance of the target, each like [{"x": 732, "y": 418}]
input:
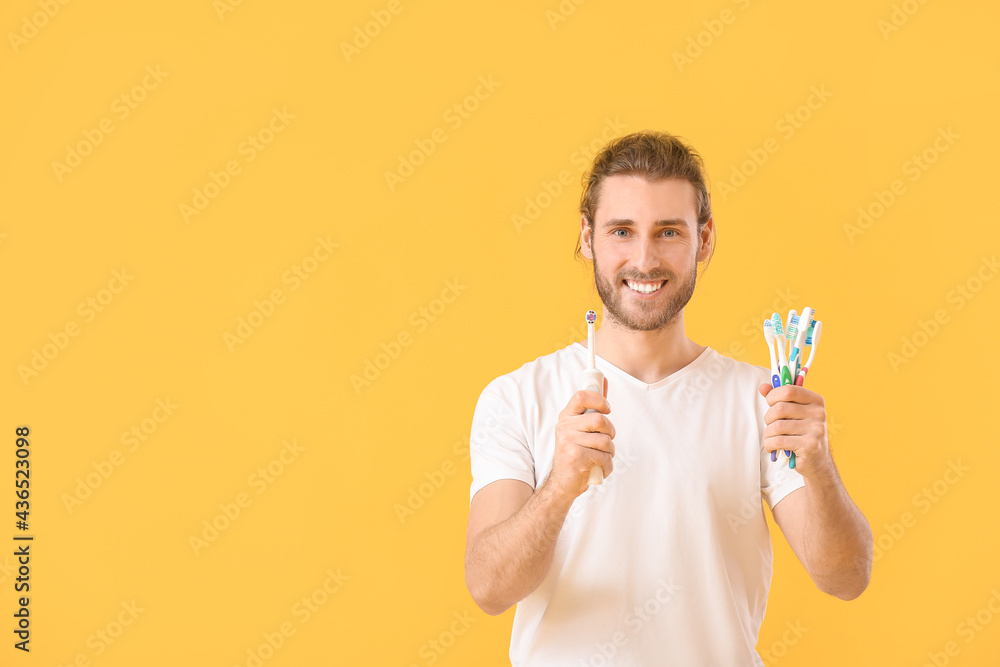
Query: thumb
[
  {"x": 765, "y": 388},
  {"x": 605, "y": 387}
]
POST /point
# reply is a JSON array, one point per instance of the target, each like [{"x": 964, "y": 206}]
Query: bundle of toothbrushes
[{"x": 790, "y": 342}]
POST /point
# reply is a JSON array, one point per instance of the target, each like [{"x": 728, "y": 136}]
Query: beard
[{"x": 646, "y": 315}]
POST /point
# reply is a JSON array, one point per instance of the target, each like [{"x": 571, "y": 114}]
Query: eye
[{"x": 670, "y": 232}]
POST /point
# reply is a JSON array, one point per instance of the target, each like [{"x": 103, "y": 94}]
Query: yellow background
[{"x": 895, "y": 427}]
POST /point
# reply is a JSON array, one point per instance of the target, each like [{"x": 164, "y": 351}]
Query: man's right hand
[{"x": 583, "y": 440}]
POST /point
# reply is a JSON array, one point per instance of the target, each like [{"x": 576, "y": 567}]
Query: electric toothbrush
[{"x": 592, "y": 379}]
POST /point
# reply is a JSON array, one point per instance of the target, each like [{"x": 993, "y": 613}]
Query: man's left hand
[{"x": 796, "y": 421}]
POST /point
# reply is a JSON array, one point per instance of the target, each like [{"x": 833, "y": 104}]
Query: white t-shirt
[{"x": 668, "y": 562}]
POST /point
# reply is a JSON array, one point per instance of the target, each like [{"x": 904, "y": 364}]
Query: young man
[{"x": 668, "y": 561}]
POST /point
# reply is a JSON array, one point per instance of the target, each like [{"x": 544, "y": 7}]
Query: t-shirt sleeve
[
  {"x": 498, "y": 446},
  {"x": 777, "y": 480}
]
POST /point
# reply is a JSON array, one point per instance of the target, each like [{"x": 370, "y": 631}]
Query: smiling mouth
[{"x": 644, "y": 287}]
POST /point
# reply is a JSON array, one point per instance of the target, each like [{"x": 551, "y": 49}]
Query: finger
[
  {"x": 765, "y": 389},
  {"x": 787, "y": 427},
  {"x": 788, "y": 443},
  {"x": 583, "y": 400},
  {"x": 785, "y": 410},
  {"x": 593, "y": 422},
  {"x": 599, "y": 441},
  {"x": 790, "y": 393}
]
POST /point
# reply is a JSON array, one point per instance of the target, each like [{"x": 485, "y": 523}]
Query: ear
[
  {"x": 706, "y": 240},
  {"x": 586, "y": 239}
]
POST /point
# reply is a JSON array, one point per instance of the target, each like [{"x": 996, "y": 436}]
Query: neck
[{"x": 648, "y": 356}]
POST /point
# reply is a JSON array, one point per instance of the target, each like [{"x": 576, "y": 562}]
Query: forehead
[{"x": 635, "y": 198}]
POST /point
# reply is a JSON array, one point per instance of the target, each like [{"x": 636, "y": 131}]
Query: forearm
[
  {"x": 837, "y": 539},
  {"x": 509, "y": 560}
]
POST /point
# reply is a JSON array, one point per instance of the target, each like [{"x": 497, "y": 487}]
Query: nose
[{"x": 646, "y": 260}]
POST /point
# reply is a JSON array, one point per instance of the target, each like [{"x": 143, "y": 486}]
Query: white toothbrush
[
  {"x": 802, "y": 326},
  {"x": 786, "y": 372},
  {"x": 592, "y": 379},
  {"x": 790, "y": 324},
  {"x": 769, "y": 337},
  {"x": 813, "y": 340},
  {"x": 779, "y": 339},
  {"x": 775, "y": 377},
  {"x": 808, "y": 341}
]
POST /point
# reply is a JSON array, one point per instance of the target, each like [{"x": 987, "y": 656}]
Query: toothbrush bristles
[
  {"x": 776, "y": 324},
  {"x": 792, "y": 321},
  {"x": 810, "y": 330},
  {"x": 793, "y": 326}
]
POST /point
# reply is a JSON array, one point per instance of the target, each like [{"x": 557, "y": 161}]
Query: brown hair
[{"x": 653, "y": 155}]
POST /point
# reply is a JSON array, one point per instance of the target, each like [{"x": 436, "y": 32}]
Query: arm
[
  {"x": 830, "y": 536},
  {"x": 826, "y": 530},
  {"x": 513, "y": 528},
  {"x": 511, "y": 539}
]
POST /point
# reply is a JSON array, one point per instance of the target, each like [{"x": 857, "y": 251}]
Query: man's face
[{"x": 648, "y": 232}]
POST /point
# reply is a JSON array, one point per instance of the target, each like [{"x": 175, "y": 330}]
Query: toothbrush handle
[
  {"x": 596, "y": 476},
  {"x": 786, "y": 378},
  {"x": 799, "y": 380},
  {"x": 593, "y": 380},
  {"x": 775, "y": 383}
]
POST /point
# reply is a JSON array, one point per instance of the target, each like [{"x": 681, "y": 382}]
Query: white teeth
[{"x": 645, "y": 288}]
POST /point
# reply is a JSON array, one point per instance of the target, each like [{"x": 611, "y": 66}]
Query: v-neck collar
[{"x": 605, "y": 365}]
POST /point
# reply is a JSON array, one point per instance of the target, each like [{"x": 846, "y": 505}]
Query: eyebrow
[{"x": 626, "y": 222}]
